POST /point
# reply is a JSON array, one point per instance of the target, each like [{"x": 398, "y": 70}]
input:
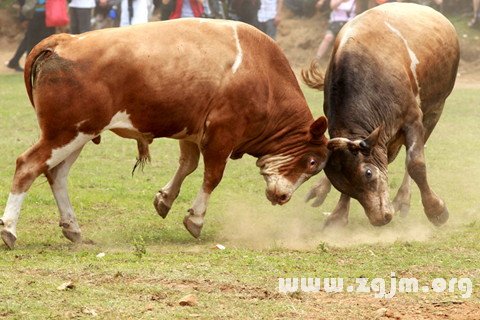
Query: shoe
[
  {"x": 473, "y": 23},
  {"x": 15, "y": 67}
]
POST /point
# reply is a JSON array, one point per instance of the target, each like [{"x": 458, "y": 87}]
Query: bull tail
[
  {"x": 143, "y": 155},
  {"x": 314, "y": 76},
  {"x": 41, "y": 51}
]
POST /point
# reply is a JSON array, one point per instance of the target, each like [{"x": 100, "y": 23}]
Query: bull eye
[
  {"x": 368, "y": 174},
  {"x": 313, "y": 162}
]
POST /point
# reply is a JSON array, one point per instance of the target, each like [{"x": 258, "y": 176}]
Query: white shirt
[
  {"x": 267, "y": 11},
  {"x": 82, "y": 4},
  {"x": 344, "y": 12}
]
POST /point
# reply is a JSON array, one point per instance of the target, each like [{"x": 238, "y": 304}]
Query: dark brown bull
[
  {"x": 223, "y": 89},
  {"x": 391, "y": 70}
]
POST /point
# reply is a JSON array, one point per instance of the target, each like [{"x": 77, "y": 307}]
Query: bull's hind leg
[
  {"x": 40, "y": 158},
  {"x": 401, "y": 202},
  {"x": 57, "y": 177},
  {"x": 188, "y": 162},
  {"x": 29, "y": 166},
  {"x": 434, "y": 207}
]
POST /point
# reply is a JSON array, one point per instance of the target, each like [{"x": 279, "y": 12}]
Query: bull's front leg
[
  {"x": 339, "y": 216},
  {"x": 217, "y": 146},
  {"x": 319, "y": 192},
  {"x": 188, "y": 162},
  {"x": 434, "y": 207},
  {"x": 401, "y": 202},
  {"x": 213, "y": 174}
]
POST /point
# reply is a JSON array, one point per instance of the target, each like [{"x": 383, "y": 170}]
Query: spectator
[
  {"x": 303, "y": 8},
  {"x": 81, "y": 15},
  {"x": 166, "y": 8},
  {"x": 14, "y": 62},
  {"x": 134, "y": 12},
  {"x": 37, "y": 30},
  {"x": 342, "y": 12},
  {"x": 269, "y": 16},
  {"x": 246, "y": 11},
  {"x": 186, "y": 9},
  {"x": 476, "y": 14}
]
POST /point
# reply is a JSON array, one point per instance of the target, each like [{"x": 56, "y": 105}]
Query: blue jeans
[{"x": 269, "y": 28}]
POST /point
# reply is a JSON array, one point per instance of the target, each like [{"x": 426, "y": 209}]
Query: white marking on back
[
  {"x": 347, "y": 34},
  {"x": 239, "y": 57},
  {"x": 413, "y": 57}
]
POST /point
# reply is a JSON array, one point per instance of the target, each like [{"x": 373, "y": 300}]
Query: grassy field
[{"x": 151, "y": 263}]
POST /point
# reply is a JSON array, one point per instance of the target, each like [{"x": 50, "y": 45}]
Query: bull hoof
[
  {"x": 74, "y": 236},
  {"x": 160, "y": 206},
  {"x": 318, "y": 194},
  {"x": 194, "y": 228},
  {"x": 336, "y": 223},
  {"x": 8, "y": 238},
  {"x": 404, "y": 210},
  {"x": 439, "y": 219}
]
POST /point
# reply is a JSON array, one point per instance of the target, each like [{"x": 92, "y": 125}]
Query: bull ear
[
  {"x": 369, "y": 142},
  {"x": 318, "y": 128}
]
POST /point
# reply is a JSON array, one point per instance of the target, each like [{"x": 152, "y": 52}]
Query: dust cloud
[{"x": 298, "y": 226}]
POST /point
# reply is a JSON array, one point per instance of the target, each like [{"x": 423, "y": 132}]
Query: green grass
[{"x": 263, "y": 243}]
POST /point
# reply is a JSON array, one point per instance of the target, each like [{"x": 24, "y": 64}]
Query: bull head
[{"x": 357, "y": 168}]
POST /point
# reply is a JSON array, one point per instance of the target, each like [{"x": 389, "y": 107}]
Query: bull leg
[
  {"x": 401, "y": 202},
  {"x": 339, "y": 216},
  {"x": 319, "y": 192},
  {"x": 434, "y": 207},
  {"x": 29, "y": 166},
  {"x": 57, "y": 177},
  {"x": 36, "y": 160},
  {"x": 188, "y": 162},
  {"x": 216, "y": 150}
]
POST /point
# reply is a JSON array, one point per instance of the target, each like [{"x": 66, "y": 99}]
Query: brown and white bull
[
  {"x": 391, "y": 70},
  {"x": 223, "y": 89}
]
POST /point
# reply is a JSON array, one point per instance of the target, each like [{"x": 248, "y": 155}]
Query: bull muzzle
[{"x": 277, "y": 197}]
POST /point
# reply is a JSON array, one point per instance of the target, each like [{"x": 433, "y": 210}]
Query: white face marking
[
  {"x": 269, "y": 168},
  {"x": 269, "y": 164},
  {"x": 413, "y": 57},
  {"x": 12, "y": 211},
  {"x": 239, "y": 57}
]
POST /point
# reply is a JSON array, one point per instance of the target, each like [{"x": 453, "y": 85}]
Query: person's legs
[
  {"x": 271, "y": 28},
  {"x": 84, "y": 18},
  {"x": 476, "y": 13},
  {"x": 325, "y": 45},
  {"x": 22, "y": 48},
  {"x": 74, "y": 23},
  {"x": 37, "y": 30}
]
